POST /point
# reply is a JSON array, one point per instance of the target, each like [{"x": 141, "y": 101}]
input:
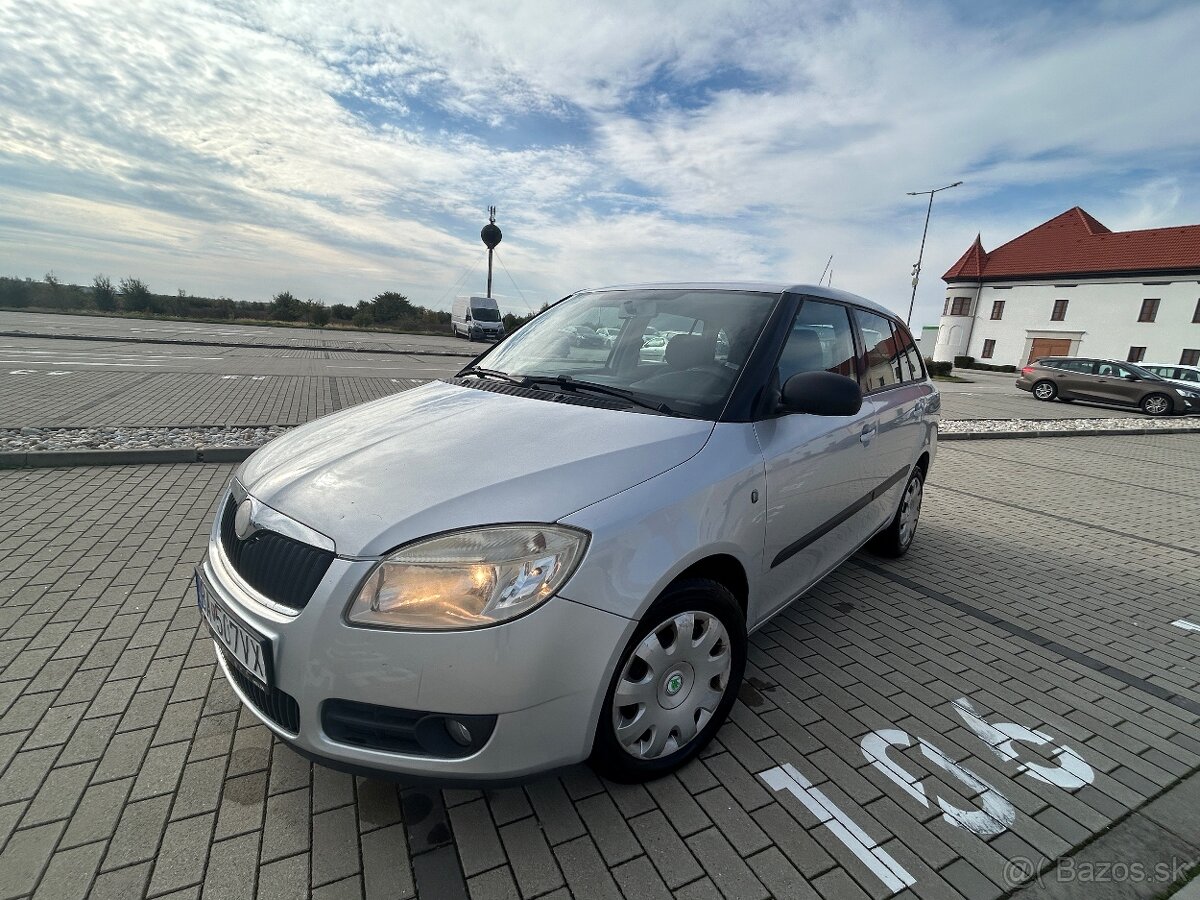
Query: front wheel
[
  {"x": 895, "y": 540},
  {"x": 1045, "y": 390},
  {"x": 1156, "y": 404},
  {"x": 674, "y": 683}
]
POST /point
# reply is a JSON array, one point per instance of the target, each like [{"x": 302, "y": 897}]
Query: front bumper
[{"x": 543, "y": 676}]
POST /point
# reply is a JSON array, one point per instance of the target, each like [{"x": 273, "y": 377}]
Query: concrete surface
[{"x": 1020, "y": 669}]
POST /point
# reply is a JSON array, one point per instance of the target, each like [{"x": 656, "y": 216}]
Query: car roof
[{"x": 758, "y": 287}]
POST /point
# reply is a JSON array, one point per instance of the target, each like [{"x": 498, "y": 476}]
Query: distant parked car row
[{"x": 1114, "y": 383}]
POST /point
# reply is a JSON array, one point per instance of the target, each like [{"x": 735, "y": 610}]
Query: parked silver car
[{"x": 547, "y": 559}]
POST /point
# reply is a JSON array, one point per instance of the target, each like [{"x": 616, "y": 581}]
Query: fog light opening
[{"x": 459, "y": 733}]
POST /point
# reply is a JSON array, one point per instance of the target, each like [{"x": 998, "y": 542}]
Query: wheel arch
[{"x": 724, "y": 569}]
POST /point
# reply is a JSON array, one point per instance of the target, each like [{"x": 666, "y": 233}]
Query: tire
[
  {"x": 1045, "y": 390},
  {"x": 895, "y": 540},
  {"x": 1156, "y": 405},
  {"x": 700, "y": 707}
]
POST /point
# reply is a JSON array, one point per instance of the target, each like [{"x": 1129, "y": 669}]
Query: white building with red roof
[{"x": 1072, "y": 287}]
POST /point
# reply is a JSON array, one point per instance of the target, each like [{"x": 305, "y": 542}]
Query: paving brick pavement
[
  {"x": 179, "y": 399},
  {"x": 909, "y": 699}
]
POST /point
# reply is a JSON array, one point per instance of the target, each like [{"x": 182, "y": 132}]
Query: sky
[{"x": 339, "y": 150}]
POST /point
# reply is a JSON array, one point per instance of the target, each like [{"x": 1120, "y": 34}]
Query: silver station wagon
[{"x": 558, "y": 554}]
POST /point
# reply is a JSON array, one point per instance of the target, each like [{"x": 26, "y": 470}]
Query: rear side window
[
  {"x": 909, "y": 352},
  {"x": 883, "y": 363},
  {"x": 821, "y": 340},
  {"x": 1083, "y": 366}
]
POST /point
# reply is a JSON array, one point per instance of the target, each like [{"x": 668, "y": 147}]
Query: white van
[{"x": 476, "y": 317}]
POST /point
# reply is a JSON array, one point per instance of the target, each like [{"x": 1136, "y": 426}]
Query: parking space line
[
  {"x": 1126, "y": 535},
  {"x": 1127, "y": 678},
  {"x": 1025, "y": 462},
  {"x": 1186, "y": 625},
  {"x": 786, "y": 777}
]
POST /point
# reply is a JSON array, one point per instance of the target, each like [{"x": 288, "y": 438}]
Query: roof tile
[{"x": 1075, "y": 243}]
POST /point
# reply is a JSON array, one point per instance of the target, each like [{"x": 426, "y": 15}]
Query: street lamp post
[{"x": 921, "y": 255}]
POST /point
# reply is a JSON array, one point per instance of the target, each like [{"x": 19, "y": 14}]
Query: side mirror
[
  {"x": 821, "y": 394},
  {"x": 1132, "y": 378}
]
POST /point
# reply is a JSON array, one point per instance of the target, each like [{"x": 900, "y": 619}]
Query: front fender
[{"x": 645, "y": 536}]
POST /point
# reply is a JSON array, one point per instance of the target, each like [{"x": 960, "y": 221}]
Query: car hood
[{"x": 443, "y": 456}]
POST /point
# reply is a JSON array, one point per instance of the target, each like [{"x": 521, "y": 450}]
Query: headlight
[
  {"x": 1183, "y": 393},
  {"x": 468, "y": 579}
]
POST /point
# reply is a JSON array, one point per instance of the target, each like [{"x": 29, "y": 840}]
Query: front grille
[
  {"x": 284, "y": 570},
  {"x": 406, "y": 731},
  {"x": 278, "y": 706}
]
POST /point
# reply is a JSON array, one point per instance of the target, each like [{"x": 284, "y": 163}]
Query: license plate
[{"x": 248, "y": 650}]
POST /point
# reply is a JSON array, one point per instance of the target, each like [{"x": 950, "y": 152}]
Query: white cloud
[{"x": 347, "y": 148}]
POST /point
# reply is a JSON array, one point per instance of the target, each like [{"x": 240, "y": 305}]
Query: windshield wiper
[
  {"x": 481, "y": 372},
  {"x": 567, "y": 383}
]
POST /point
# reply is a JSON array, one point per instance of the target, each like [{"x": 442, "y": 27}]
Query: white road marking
[
  {"x": 786, "y": 777},
  {"x": 13, "y": 351},
  {"x": 390, "y": 368},
  {"x": 82, "y": 363},
  {"x": 1186, "y": 625},
  {"x": 997, "y": 814},
  {"x": 1071, "y": 772}
]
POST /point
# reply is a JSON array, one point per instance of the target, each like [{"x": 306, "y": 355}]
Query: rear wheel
[
  {"x": 1156, "y": 404},
  {"x": 674, "y": 685},
  {"x": 895, "y": 540},
  {"x": 1045, "y": 390}
]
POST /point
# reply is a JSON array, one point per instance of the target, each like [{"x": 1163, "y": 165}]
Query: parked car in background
[
  {"x": 476, "y": 318},
  {"x": 654, "y": 348},
  {"x": 585, "y": 336},
  {"x": 1106, "y": 381},
  {"x": 1186, "y": 376},
  {"x": 382, "y": 606}
]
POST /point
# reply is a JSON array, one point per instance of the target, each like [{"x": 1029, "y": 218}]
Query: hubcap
[
  {"x": 910, "y": 509},
  {"x": 1044, "y": 391},
  {"x": 671, "y": 684},
  {"x": 1156, "y": 406}
]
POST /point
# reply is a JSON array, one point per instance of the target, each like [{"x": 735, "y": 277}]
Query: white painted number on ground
[
  {"x": 1071, "y": 773},
  {"x": 874, "y": 857},
  {"x": 994, "y": 813},
  {"x": 997, "y": 813}
]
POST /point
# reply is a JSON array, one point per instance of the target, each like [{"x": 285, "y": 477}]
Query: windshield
[
  {"x": 680, "y": 347},
  {"x": 484, "y": 314}
]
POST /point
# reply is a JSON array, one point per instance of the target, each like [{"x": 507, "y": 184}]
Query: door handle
[{"x": 868, "y": 433}]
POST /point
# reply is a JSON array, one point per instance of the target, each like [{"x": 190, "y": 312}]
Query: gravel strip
[
  {"x": 1021, "y": 426},
  {"x": 33, "y": 440}
]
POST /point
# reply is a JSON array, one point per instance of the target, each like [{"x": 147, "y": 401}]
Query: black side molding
[{"x": 825, "y": 527}]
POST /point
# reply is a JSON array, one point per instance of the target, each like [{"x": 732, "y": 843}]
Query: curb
[
  {"x": 201, "y": 343},
  {"x": 1062, "y": 432},
  {"x": 44, "y": 459},
  {"x": 1161, "y": 837}
]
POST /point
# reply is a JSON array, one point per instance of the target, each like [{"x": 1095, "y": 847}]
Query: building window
[
  {"x": 1196, "y": 314},
  {"x": 1060, "y": 311},
  {"x": 1190, "y": 358},
  {"x": 959, "y": 306},
  {"x": 1136, "y": 354},
  {"x": 1149, "y": 311},
  {"x": 989, "y": 347},
  {"x": 997, "y": 310}
]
